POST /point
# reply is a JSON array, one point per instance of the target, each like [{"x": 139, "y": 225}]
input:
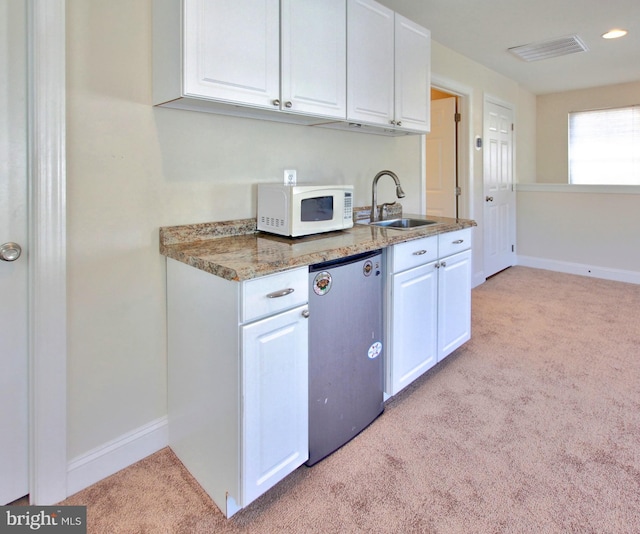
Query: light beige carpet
[{"x": 532, "y": 426}]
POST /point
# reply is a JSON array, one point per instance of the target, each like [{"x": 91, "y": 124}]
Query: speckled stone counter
[{"x": 235, "y": 250}]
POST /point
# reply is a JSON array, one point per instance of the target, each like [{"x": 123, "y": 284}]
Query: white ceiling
[{"x": 484, "y": 30}]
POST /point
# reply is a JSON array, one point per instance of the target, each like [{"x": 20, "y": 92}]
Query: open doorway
[
  {"x": 442, "y": 186},
  {"x": 458, "y": 182}
]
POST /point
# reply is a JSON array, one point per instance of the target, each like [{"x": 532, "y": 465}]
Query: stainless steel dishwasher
[{"x": 345, "y": 350}]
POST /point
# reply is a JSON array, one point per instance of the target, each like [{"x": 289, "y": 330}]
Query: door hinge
[
  {"x": 457, "y": 117},
  {"x": 513, "y": 248},
  {"x": 512, "y": 127},
  {"x": 458, "y": 191}
]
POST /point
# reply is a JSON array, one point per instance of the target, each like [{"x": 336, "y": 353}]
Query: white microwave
[{"x": 297, "y": 210}]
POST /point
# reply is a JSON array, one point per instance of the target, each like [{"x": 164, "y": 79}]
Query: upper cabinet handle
[{"x": 281, "y": 293}]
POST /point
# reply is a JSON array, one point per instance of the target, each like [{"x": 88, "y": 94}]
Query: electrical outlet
[{"x": 290, "y": 177}]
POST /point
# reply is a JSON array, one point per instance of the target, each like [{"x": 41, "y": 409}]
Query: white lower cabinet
[
  {"x": 428, "y": 304},
  {"x": 412, "y": 345},
  {"x": 454, "y": 302},
  {"x": 238, "y": 380},
  {"x": 274, "y": 422}
]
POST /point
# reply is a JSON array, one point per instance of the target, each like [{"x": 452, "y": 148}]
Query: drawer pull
[
  {"x": 281, "y": 293},
  {"x": 419, "y": 252},
  {"x": 458, "y": 241}
]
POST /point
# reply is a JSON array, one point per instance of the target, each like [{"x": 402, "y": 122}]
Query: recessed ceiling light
[{"x": 614, "y": 34}]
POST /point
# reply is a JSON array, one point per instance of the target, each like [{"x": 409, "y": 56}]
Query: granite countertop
[{"x": 236, "y": 251}]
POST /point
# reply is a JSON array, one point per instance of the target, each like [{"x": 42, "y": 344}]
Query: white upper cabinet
[
  {"x": 232, "y": 50},
  {"x": 318, "y": 62},
  {"x": 314, "y": 57},
  {"x": 370, "y": 62},
  {"x": 273, "y": 55},
  {"x": 388, "y": 68},
  {"x": 412, "y": 75}
]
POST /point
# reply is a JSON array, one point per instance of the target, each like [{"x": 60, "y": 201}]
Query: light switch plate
[{"x": 290, "y": 177}]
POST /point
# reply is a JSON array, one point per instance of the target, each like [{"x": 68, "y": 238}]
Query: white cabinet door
[
  {"x": 413, "y": 325},
  {"x": 454, "y": 302},
  {"x": 388, "y": 68},
  {"x": 314, "y": 57},
  {"x": 232, "y": 50},
  {"x": 275, "y": 400},
  {"x": 412, "y": 75},
  {"x": 370, "y": 62}
]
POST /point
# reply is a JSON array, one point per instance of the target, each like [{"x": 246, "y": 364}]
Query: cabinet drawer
[
  {"x": 453, "y": 242},
  {"x": 270, "y": 294},
  {"x": 413, "y": 253}
]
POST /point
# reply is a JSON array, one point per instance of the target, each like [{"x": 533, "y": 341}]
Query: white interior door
[
  {"x": 441, "y": 159},
  {"x": 499, "y": 196},
  {"x": 14, "y": 472}
]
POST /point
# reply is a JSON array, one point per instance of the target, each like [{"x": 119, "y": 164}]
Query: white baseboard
[
  {"x": 619, "y": 275},
  {"x": 478, "y": 279},
  {"x": 117, "y": 454}
]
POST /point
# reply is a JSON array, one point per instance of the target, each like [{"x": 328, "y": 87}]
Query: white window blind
[{"x": 604, "y": 146}]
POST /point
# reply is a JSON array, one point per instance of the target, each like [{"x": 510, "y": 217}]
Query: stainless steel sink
[{"x": 403, "y": 224}]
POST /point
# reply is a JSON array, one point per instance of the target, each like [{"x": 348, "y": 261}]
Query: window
[{"x": 604, "y": 146}]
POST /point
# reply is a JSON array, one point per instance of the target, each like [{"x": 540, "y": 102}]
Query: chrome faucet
[{"x": 374, "y": 192}]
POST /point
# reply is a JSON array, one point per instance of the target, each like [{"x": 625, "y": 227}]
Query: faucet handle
[{"x": 384, "y": 209}]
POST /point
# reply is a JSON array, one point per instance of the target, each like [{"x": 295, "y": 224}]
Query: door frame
[
  {"x": 465, "y": 148},
  {"x": 47, "y": 299},
  {"x": 466, "y": 180}
]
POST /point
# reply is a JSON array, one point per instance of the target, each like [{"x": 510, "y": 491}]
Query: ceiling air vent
[{"x": 548, "y": 49}]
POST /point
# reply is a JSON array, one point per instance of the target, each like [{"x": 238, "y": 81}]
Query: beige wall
[
  {"x": 526, "y": 144},
  {"x": 594, "y": 233},
  {"x": 594, "y": 230},
  {"x": 133, "y": 168},
  {"x": 552, "y": 117}
]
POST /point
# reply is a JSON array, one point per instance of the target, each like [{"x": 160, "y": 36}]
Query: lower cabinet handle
[
  {"x": 305, "y": 313},
  {"x": 281, "y": 293},
  {"x": 458, "y": 241},
  {"x": 419, "y": 252}
]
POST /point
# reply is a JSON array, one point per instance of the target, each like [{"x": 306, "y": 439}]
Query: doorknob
[
  {"x": 10, "y": 251},
  {"x": 489, "y": 199}
]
